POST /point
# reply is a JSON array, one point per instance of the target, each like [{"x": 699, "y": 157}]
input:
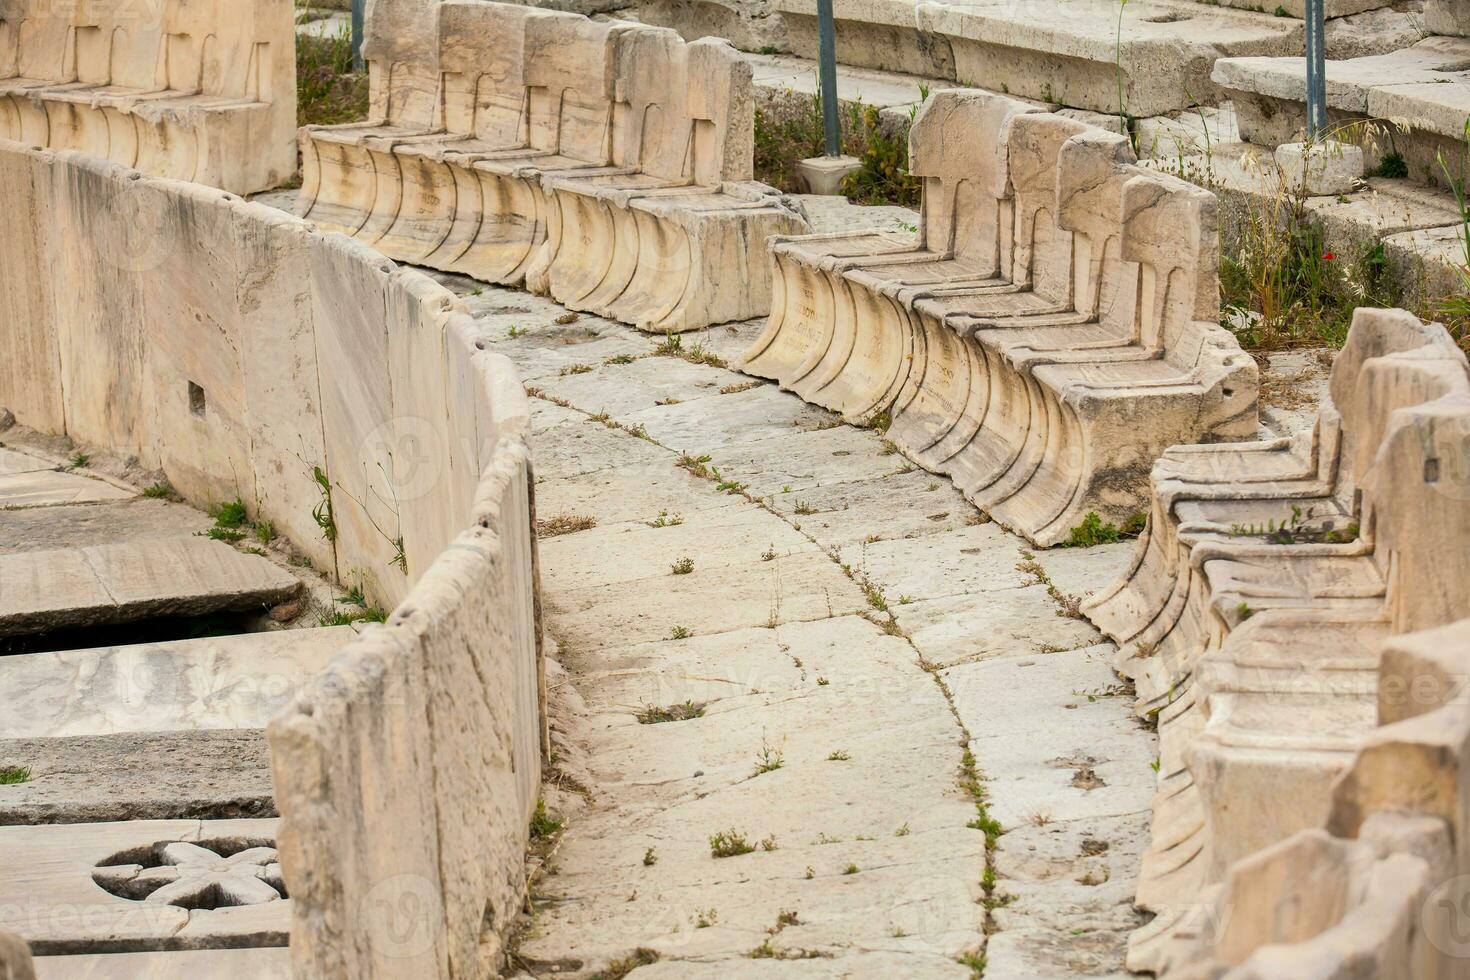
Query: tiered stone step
[
  {"x": 1425, "y": 84},
  {"x": 1062, "y": 51}
]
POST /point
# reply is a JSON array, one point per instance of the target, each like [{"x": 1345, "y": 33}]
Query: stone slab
[
  {"x": 636, "y": 492},
  {"x": 737, "y": 419},
  {"x": 190, "y": 685},
  {"x": 47, "y": 488},
  {"x": 623, "y": 389},
  {"x": 81, "y": 525},
  {"x": 965, "y": 561},
  {"x": 267, "y": 963},
  {"x": 49, "y": 898},
  {"x": 803, "y": 587},
  {"x": 1004, "y": 623},
  {"x": 1042, "y": 747},
  {"x": 803, "y": 460},
  {"x": 13, "y": 462},
  {"x": 713, "y": 540},
  {"x": 852, "y": 513},
  {"x": 215, "y": 774},
  {"x": 578, "y": 448},
  {"x": 119, "y": 583}
]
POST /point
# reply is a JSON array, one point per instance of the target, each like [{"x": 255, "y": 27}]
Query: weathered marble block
[
  {"x": 1045, "y": 334},
  {"x": 197, "y": 91},
  {"x": 608, "y": 164},
  {"x": 1377, "y": 885},
  {"x": 1263, "y": 587}
]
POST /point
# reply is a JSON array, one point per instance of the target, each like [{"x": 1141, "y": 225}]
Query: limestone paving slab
[
  {"x": 965, "y": 561},
  {"x": 1001, "y": 623},
  {"x": 13, "y": 462},
  {"x": 1063, "y": 745},
  {"x": 804, "y": 460},
  {"x": 263, "y": 963},
  {"x": 578, "y": 448},
  {"x": 718, "y": 539},
  {"x": 47, "y": 488},
  {"x": 190, "y": 685},
  {"x": 120, "y": 582},
  {"x": 637, "y": 492},
  {"x": 49, "y": 897},
  {"x": 215, "y": 774},
  {"x": 842, "y": 514},
  {"x": 741, "y": 418},
  {"x": 803, "y": 587},
  {"x": 623, "y": 389},
  {"x": 81, "y": 525}
]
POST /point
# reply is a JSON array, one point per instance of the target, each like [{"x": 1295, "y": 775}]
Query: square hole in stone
[{"x": 196, "y": 399}]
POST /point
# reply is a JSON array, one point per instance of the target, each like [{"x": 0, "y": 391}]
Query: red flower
[{"x": 1329, "y": 257}]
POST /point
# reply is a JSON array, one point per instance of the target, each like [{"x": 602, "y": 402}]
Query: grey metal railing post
[
  {"x": 357, "y": 15},
  {"x": 1316, "y": 69},
  {"x": 827, "y": 57}
]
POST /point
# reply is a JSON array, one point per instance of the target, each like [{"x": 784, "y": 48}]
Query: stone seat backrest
[
  {"x": 1170, "y": 231},
  {"x": 570, "y": 67},
  {"x": 652, "y": 131},
  {"x": 37, "y": 40},
  {"x": 217, "y": 48},
  {"x": 400, "y": 45},
  {"x": 482, "y": 69},
  {"x": 1407, "y": 421},
  {"x": 720, "y": 103},
  {"x": 134, "y": 46},
  {"x": 1042, "y": 250},
  {"x": 1092, "y": 170},
  {"x": 959, "y": 146}
]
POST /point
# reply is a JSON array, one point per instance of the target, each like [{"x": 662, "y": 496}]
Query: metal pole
[
  {"x": 827, "y": 57},
  {"x": 1316, "y": 70},
  {"x": 357, "y": 14}
]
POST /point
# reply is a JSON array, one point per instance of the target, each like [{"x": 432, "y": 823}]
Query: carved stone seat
[
  {"x": 1378, "y": 886},
  {"x": 1252, "y": 617},
  {"x": 1055, "y": 295},
  {"x": 196, "y": 91},
  {"x": 623, "y": 141}
]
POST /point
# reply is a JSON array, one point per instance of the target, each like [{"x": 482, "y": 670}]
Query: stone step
[
  {"x": 211, "y": 683},
  {"x": 75, "y": 587},
  {"x": 1074, "y": 52},
  {"x": 1425, "y": 84}
]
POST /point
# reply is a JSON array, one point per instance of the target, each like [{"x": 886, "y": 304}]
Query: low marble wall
[{"x": 346, "y": 401}]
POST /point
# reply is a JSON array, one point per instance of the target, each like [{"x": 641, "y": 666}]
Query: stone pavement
[{"x": 782, "y": 641}]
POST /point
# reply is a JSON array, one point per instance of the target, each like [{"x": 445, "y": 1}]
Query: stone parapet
[{"x": 347, "y": 402}]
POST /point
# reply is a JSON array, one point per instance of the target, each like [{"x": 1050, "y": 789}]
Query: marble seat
[
  {"x": 1055, "y": 293},
  {"x": 1269, "y": 578},
  {"x": 625, "y": 142},
  {"x": 202, "y": 92},
  {"x": 1375, "y": 885}
]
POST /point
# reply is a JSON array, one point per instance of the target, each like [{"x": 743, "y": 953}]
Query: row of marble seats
[
  {"x": 1255, "y": 647},
  {"x": 1048, "y": 331},
  {"x": 1381, "y": 886},
  {"x": 506, "y": 132},
  {"x": 198, "y": 90}
]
